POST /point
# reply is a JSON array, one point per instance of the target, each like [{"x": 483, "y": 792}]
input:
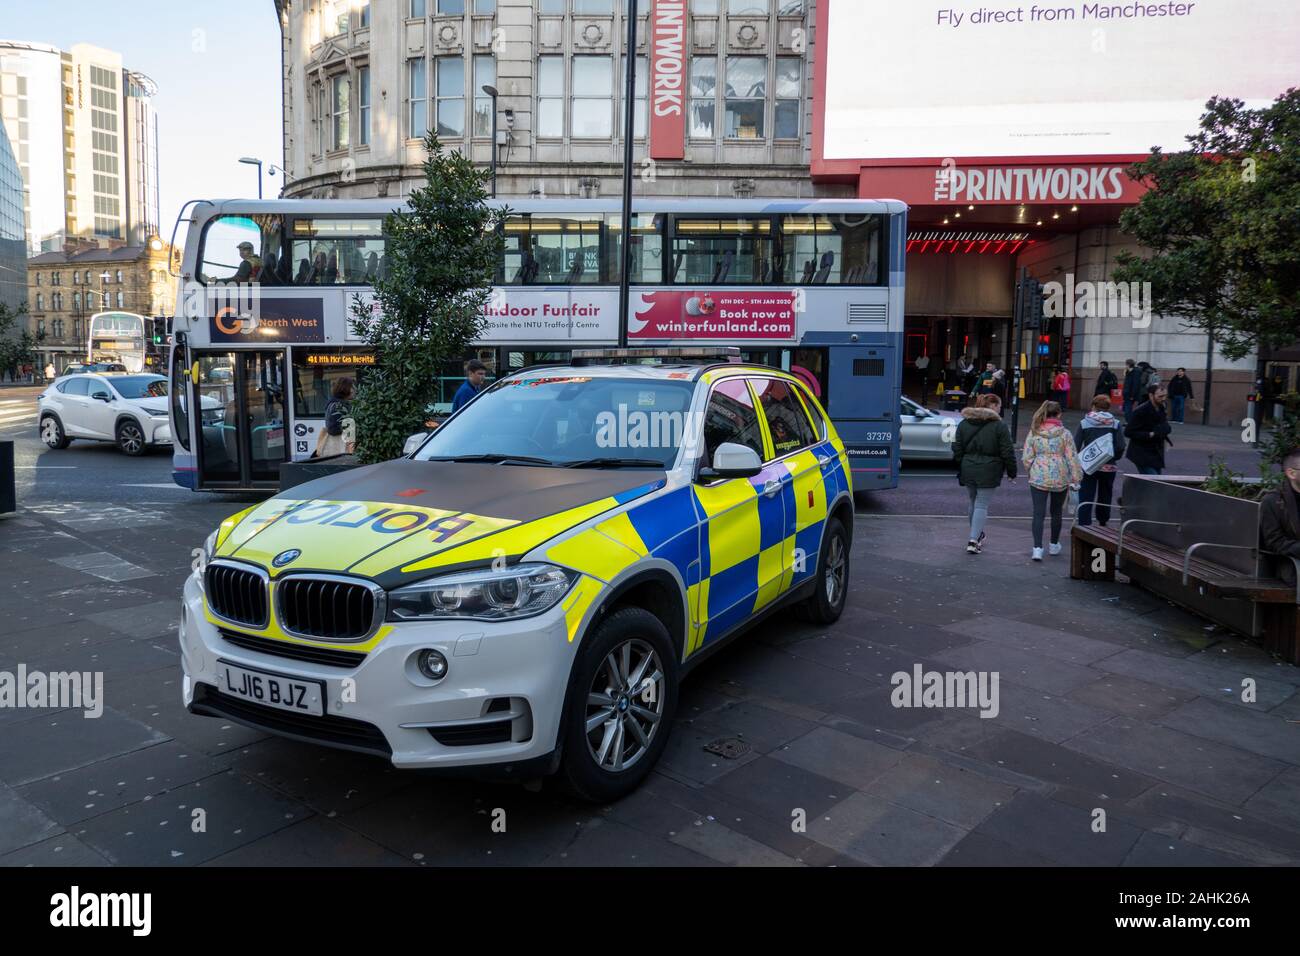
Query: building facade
[
  {"x": 13, "y": 238},
  {"x": 747, "y": 82},
  {"x": 85, "y": 135},
  {"x": 363, "y": 81},
  {"x": 64, "y": 289}
]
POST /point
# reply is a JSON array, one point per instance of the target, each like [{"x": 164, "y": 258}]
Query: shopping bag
[{"x": 1097, "y": 453}]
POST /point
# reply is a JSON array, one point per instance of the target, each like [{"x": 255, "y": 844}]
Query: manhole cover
[{"x": 728, "y": 747}]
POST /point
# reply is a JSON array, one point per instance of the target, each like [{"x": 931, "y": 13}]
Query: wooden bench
[{"x": 1097, "y": 552}]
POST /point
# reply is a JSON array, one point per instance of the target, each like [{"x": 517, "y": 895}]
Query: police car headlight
[{"x": 519, "y": 591}]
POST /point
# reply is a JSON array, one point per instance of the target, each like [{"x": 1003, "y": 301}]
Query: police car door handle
[
  {"x": 823, "y": 461},
  {"x": 772, "y": 486}
]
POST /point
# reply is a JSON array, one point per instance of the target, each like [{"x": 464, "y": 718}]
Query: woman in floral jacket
[{"x": 1053, "y": 465}]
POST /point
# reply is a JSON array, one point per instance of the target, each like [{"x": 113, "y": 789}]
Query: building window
[
  {"x": 789, "y": 87},
  {"x": 450, "y": 95},
  {"x": 318, "y": 96},
  {"x": 417, "y": 94},
  {"x": 76, "y": 328},
  {"x": 485, "y": 8},
  {"x": 54, "y": 278},
  {"x": 551, "y": 7},
  {"x": 418, "y": 9},
  {"x": 38, "y": 278},
  {"x": 451, "y": 7},
  {"x": 591, "y": 113},
  {"x": 550, "y": 96},
  {"x": 56, "y": 327},
  {"x": 339, "y": 138},
  {"x": 749, "y": 8},
  {"x": 593, "y": 7},
  {"x": 363, "y": 15},
  {"x": 119, "y": 276},
  {"x": 746, "y": 94},
  {"x": 40, "y": 328},
  {"x": 485, "y": 74},
  {"x": 704, "y": 88},
  {"x": 76, "y": 302},
  {"x": 363, "y": 105},
  {"x": 40, "y": 302},
  {"x": 121, "y": 299},
  {"x": 638, "y": 131}
]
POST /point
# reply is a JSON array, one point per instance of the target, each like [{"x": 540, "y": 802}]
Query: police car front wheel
[{"x": 620, "y": 705}]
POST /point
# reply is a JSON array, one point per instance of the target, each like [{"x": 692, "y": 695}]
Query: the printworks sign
[{"x": 668, "y": 79}]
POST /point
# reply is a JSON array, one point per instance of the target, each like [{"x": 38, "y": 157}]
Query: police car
[{"x": 526, "y": 590}]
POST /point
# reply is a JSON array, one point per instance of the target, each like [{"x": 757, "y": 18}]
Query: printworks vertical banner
[{"x": 668, "y": 79}]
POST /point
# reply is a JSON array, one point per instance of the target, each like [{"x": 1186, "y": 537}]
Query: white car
[
  {"x": 128, "y": 410},
  {"x": 924, "y": 434}
]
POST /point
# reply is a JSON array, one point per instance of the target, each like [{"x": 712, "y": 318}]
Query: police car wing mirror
[
  {"x": 412, "y": 443},
  {"x": 732, "y": 460}
]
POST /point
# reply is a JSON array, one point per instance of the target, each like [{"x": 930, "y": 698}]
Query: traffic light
[
  {"x": 1045, "y": 345},
  {"x": 1032, "y": 299}
]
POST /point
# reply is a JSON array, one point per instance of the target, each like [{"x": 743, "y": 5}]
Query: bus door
[
  {"x": 864, "y": 390},
  {"x": 242, "y": 398}
]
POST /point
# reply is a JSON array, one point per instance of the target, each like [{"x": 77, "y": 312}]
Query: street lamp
[
  {"x": 492, "y": 92},
  {"x": 254, "y": 161},
  {"x": 629, "y": 128}
]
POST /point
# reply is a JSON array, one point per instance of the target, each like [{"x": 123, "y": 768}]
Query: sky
[{"x": 217, "y": 66}]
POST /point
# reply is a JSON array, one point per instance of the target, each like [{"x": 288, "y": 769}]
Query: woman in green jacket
[{"x": 984, "y": 452}]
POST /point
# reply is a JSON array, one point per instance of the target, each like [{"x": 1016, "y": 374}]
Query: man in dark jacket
[
  {"x": 1132, "y": 387},
  {"x": 1279, "y": 518},
  {"x": 1105, "y": 381},
  {"x": 983, "y": 451},
  {"x": 1180, "y": 390},
  {"x": 1148, "y": 431}
]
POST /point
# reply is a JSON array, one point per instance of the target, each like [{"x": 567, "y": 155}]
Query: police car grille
[
  {"x": 236, "y": 594},
  {"x": 334, "y": 610},
  {"x": 297, "y": 652}
]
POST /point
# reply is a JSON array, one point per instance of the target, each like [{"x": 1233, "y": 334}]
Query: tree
[
  {"x": 440, "y": 255},
  {"x": 1220, "y": 218},
  {"x": 15, "y": 351}
]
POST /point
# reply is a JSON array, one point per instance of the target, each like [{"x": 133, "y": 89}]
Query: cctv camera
[{"x": 510, "y": 119}]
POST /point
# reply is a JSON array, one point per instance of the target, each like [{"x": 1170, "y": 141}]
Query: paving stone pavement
[{"x": 1109, "y": 700}]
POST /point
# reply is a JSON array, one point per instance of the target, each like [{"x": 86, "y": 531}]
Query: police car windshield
[
  {"x": 141, "y": 386},
  {"x": 569, "y": 420}
]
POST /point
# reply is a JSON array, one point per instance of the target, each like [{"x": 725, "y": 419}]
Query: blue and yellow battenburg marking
[{"x": 736, "y": 549}]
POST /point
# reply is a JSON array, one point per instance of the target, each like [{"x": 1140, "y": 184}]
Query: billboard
[{"x": 962, "y": 79}]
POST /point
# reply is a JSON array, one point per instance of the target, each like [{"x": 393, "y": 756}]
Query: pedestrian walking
[
  {"x": 923, "y": 367},
  {"x": 475, "y": 376},
  {"x": 338, "y": 437},
  {"x": 1106, "y": 381},
  {"x": 1279, "y": 518},
  {"x": 1053, "y": 468},
  {"x": 1061, "y": 387},
  {"x": 1132, "y": 387},
  {"x": 984, "y": 452},
  {"x": 49, "y": 371},
  {"x": 1100, "y": 442},
  {"x": 1000, "y": 385},
  {"x": 1180, "y": 390},
  {"x": 1148, "y": 432}
]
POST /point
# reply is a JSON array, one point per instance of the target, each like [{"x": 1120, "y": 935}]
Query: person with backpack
[
  {"x": 1148, "y": 432},
  {"x": 1106, "y": 381},
  {"x": 1133, "y": 392},
  {"x": 1180, "y": 390},
  {"x": 1100, "y": 441},
  {"x": 1061, "y": 387},
  {"x": 1054, "y": 469},
  {"x": 984, "y": 452}
]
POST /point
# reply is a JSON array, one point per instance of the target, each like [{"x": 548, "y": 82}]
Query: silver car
[{"x": 925, "y": 434}]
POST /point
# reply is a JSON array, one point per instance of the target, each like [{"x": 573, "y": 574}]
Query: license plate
[{"x": 272, "y": 690}]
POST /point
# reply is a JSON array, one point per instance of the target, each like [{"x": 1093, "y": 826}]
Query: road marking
[
  {"x": 44, "y": 467},
  {"x": 156, "y": 484}
]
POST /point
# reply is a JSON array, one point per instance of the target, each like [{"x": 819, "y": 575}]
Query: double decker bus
[
  {"x": 811, "y": 286},
  {"x": 117, "y": 337}
]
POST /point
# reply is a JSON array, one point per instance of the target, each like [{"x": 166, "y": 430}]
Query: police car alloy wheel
[
  {"x": 620, "y": 705},
  {"x": 130, "y": 438}
]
